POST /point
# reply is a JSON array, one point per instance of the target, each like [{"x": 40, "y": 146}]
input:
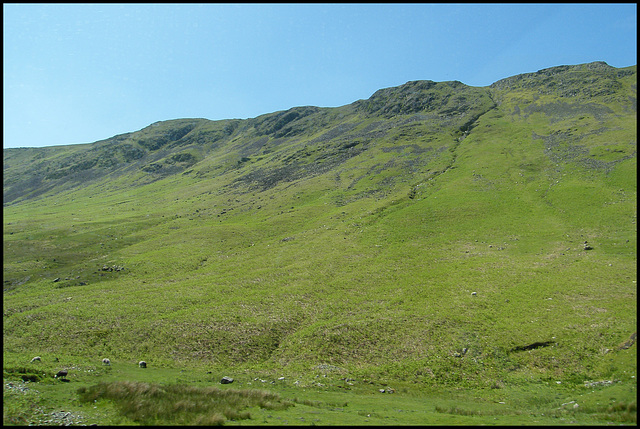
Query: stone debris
[
  {"x": 112, "y": 268},
  {"x": 574, "y": 404},
  {"x": 45, "y": 418},
  {"x": 20, "y": 387},
  {"x": 598, "y": 383}
]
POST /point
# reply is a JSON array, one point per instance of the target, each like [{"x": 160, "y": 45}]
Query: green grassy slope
[{"x": 430, "y": 233}]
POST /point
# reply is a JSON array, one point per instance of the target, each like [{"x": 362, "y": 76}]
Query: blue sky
[{"x": 76, "y": 73}]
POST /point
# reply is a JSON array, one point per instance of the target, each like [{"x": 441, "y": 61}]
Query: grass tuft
[{"x": 150, "y": 403}]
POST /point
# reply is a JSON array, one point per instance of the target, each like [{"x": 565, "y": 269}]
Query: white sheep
[
  {"x": 36, "y": 359},
  {"x": 142, "y": 364},
  {"x": 106, "y": 361}
]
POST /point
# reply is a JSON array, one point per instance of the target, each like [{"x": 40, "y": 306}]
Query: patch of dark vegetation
[
  {"x": 33, "y": 375},
  {"x": 460, "y": 411},
  {"x": 150, "y": 404},
  {"x": 129, "y": 153},
  {"x": 533, "y": 346},
  {"x": 622, "y": 411},
  {"x": 152, "y": 168},
  {"x": 186, "y": 158},
  {"x": 171, "y": 165}
]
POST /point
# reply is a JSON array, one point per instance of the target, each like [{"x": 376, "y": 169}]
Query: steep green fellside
[{"x": 435, "y": 235}]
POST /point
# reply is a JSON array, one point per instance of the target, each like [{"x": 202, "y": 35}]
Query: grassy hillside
[{"x": 435, "y": 235}]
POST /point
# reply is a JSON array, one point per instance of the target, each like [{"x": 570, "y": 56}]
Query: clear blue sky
[{"x": 75, "y": 73}]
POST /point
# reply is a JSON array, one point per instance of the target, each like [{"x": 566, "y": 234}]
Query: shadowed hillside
[{"x": 435, "y": 233}]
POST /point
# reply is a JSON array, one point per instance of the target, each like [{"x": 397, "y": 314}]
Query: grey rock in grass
[
  {"x": 226, "y": 380},
  {"x": 142, "y": 364}
]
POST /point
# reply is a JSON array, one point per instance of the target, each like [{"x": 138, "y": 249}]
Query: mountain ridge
[{"x": 132, "y": 146}]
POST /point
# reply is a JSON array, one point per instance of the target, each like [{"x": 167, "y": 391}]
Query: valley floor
[{"x": 330, "y": 400}]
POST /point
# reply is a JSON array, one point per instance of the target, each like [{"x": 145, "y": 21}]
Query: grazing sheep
[
  {"x": 142, "y": 364},
  {"x": 36, "y": 359},
  {"x": 106, "y": 361},
  {"x": 61, "y": 374}
]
